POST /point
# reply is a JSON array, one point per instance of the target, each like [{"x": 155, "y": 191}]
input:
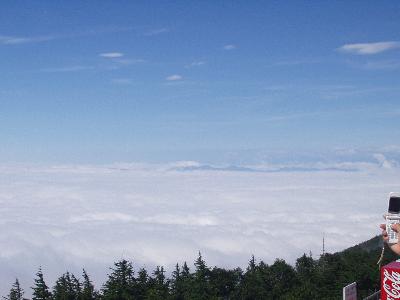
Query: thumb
[{"x": 396, "y": 227}]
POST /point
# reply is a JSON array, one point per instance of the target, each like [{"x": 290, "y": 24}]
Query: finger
[
  {"x": 384, "y": 233},
  {"x": 382, "y": 226},
  {"x": 396, "y": 227}
]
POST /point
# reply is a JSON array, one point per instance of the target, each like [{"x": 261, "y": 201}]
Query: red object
[{"x": 390, "y": 281}]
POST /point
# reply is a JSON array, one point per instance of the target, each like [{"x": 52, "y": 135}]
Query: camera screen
[{"x": 394, "y": 205}]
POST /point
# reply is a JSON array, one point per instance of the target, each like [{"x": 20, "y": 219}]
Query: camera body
[{"x": 393, "y": 217}]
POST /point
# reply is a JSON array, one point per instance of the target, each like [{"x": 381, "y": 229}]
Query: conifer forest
[{"x": 309, "y": 278}]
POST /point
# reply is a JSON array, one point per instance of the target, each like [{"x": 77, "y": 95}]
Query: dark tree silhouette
[
  {"x": 67, "y": 287},
  {"x": 16, "y": 292},
  {"x": 120, "y": 284},
  {"x": 40, "y": 289},
  {"x": 88, "y": 292}
]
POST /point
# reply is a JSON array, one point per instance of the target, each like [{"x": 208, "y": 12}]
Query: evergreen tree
[
  {"x": 88, "y": 292},
  {"x": 201, "y": 280},
  {"x": 306, "y": 277},
  {"x": 224, "y": 282},
  {"x": 60, "y": 289},
  {"x": 67, "y": 287},
  {"x": 76, "y": 287},
  {"x": 142, "y": 284},
  {"x": 16, "y": 292},
  {"x": 186, "y": 281},
  {"x": 121, "y": 282},
  {"x": 252, "y": 265},
  {"x": 252, "y": 284},
  {"x": 40, "y": 290},
  {"x": 305, "y": 267},
  {"x": 328, "y": 275},
  {"x": 185, "y": 271},
  {"x": 177, "y": 289},
  {"x": 282, "y": 277},
  {"x": 159, "y": 286}
]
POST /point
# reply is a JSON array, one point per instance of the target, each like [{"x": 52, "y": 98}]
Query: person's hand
[
  {"x": 385, "y": 236},
  {"x": 396, "y": 228}
]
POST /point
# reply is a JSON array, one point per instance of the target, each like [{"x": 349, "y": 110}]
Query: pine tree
[
  {"x": 121, "y": 282},
  {"x": 306, "y": 286},
  {"x": 16, "y": 292},
  {"x": 60, "y": 290},
  {"x": 186, "y": 281},
  {"x": 201, "y": 280},
  {"x": 252, "y": 265},
  {"x": 159, "y": 286},
  {"x": 142, "y": 284},
  {"x": 87, "y": 289},
  {"x": 185, "y": 271},
  {"x": 224, "y": 282},
  {"x": 40, "y": 290},
  {"x": 177, "y": 284},
  {"x": 252, "y": 283},
  {"x": 76, "y": 287},
  {"x": 282, "y": 278},
  {"x": 67, "y": 287}
]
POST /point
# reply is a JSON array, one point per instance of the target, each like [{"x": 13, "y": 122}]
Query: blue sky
[{"x": 210, "y": 81}]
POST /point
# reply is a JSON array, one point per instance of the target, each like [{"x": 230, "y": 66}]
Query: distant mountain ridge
[
  {"x": 373, "y": 244},
  {"x": 234, "y": 168}
]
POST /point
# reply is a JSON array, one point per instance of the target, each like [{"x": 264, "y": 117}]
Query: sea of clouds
[{"x": 69, "y": 217}]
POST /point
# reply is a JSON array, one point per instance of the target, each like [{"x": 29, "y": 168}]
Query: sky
[
  {"x": 99, "y": 82},
  {"x": 174, "y": 127}
]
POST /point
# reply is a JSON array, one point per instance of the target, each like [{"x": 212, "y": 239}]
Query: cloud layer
[{"x": 69, "y": 217}]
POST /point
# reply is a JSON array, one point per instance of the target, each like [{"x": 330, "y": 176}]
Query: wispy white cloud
[
  {"x": 111, "y": 54},
  {"x": 17, "y": 40},
  {"x": 332, "y": 91},
  {"x": 101, "y": 217},
  {"x": 76, "y": 68},
  {"x": 195, "y": 64},
  {"x": 117, "y": 60},
  {"x": 381, "y": 65},
  {"x": 230, "y": 47},
  {"x": 174, "y": 77},
  {"x": 157, "y": 31},
  {"x": 129, "y": 61},
  {"x": 383, "y": 161},
  {"x": 297, "y": 62},
  {"x": 122, "y": 81},
  {"x": 369, "y": 48}
]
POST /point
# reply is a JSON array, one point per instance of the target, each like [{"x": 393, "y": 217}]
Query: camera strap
[{"x": 379, "y": 263}]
